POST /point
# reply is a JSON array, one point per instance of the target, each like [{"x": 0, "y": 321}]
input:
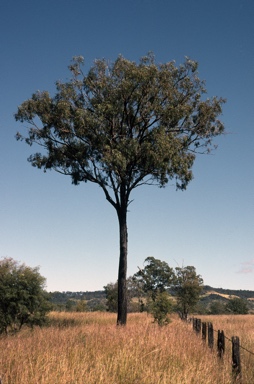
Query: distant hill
[
  {"x": 62, "y": 297},
  {"x": 215, "y": 300},
  {"x": 66, "y": 300},
  {"x": 96, "y": 300},
  {"x": 229, "y": 293}
]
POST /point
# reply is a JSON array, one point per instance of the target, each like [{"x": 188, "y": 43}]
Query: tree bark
[{"x": 122, "y": 271}]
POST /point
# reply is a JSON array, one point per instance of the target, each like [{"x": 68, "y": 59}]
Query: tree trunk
[{"x": 122, "y": 271}]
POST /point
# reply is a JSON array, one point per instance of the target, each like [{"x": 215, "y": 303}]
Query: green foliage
[
  {"x": 122, "y": 122},
  {"x": 70, "y": 301},
  {"x": 160, "y": 308},
  {"x": 187, "y": 288},
  {"x": 111, "y": 291},
  {"x": 23, "y": 300},
  {"x": 70, "y": 305},
  {"x": 155, "y": 277},
  {"x": 81, "y": 306},
  {"x": 201, "y": 308},
  {"x": 94, "y": 305},
  {"x": 237, "y": 306},
  {"x": 153, "y": 280},
  {"x": 217, "y": 307}
]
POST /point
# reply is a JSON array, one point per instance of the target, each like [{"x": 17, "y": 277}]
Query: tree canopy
[
  {"x": 188, "y": 287},
  {"x": 122, "y": 125},
  {"x": 158, "y": 278},
  {"x": 123, "y": 122},
  {"x": 155, "y": 277},
  {"x": 238, "y": 306},
  {"x": 23, "y": 300}
]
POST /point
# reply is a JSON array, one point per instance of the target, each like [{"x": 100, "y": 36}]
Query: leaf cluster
[
  {"x": 161, "y": 307},
  {"x": 238, "y": 306},
  {"x": 23, "y": 299},
  {"x": 156, "y": 277},
  {"x": 111, "y": 292},
  {"x": 183, "y": 283},
  {"x": 123, "y": 124},
  {"x": 187, "y": 289}
]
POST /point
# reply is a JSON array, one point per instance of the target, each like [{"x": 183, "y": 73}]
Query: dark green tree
[
  {"x": 154, "y": 280},
  {"x": 187, "y": 288},
  {"x": 160, "y": 307},
  {"x": 217, "y": 307},
  {"x": 23, "y": 300},
  {"x": 111, "y": 290},
  {"x": 237, "y": 306},
  {"x": 155, "y": 277},
  {"x": 70, "y": 305},
  {"x": 122, "y": 125}
]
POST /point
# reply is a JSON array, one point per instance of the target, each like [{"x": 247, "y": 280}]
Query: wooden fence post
[
  {"x": 236, "y": 363},
  {"x": 198, "y": 328},
  {"x": 194, "y": 323},
  {"x": 210, "y": 335},
  {"x": 221, "y": 343},
  {"x": 207, "y": 328},
  {"x": 204, "y": 331}
]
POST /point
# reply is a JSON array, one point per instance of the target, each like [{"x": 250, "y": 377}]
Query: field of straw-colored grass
[{"x": 88, "y": 348}]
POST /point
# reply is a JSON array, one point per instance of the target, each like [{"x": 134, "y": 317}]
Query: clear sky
[{"x": 72, "y": 232}]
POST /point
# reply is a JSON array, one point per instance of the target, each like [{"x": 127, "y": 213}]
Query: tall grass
[{"x": 88, "y": 348}]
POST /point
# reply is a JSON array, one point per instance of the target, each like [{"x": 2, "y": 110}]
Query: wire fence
[{"x": 207, "y": 331}]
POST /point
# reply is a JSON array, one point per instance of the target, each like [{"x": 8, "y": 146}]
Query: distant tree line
[
  {"x": 78, "y": 301},
  {"x": 215, "y": 305},
  {"x": 159, "y": 289},
  {"x": 156, "y": 288}
]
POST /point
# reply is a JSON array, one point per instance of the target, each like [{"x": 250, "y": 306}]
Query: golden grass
[
  {"x": 220, "y": 294},
  {"x": 88, "y": 348}
]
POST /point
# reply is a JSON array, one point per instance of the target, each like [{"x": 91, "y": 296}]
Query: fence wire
[
  {"x": 245, "y": 349},
  {"x": 227, "y": 338}
]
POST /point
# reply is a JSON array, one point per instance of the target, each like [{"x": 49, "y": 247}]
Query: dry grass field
[{"x": 88, "y": 348}]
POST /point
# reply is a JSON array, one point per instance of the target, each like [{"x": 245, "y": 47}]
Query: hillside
[
  {"x": 229, "y": 293},
  {"x": 217, "y": 301},
  {"x": 96, "y": 300}
]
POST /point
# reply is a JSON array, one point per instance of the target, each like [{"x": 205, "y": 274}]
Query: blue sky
[{"x": 72, "y": 232}]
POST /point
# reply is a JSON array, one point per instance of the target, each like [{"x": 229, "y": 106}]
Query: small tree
[
  {"x": 155, "y": 278},
  {"x": 111, "y": 296},
  {"x": 81, "y": 306},
  {"x": 70, "y": 305},
  {"x": 217, "y": 307},
  {"x": 121, "y": 126},
  {"x": 237, "y": 306},
  {"x": 187, "y": 288},
  {"x": 23, "y": 300},
  {"x": 161, "y": 307},
  {"x": 111, "y": 291}
]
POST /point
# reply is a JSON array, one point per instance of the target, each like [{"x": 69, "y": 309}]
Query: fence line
[{"x": 207, "y": 332}]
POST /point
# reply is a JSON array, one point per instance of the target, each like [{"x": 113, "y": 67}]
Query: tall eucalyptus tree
[{"x": 123, "y": 125}]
